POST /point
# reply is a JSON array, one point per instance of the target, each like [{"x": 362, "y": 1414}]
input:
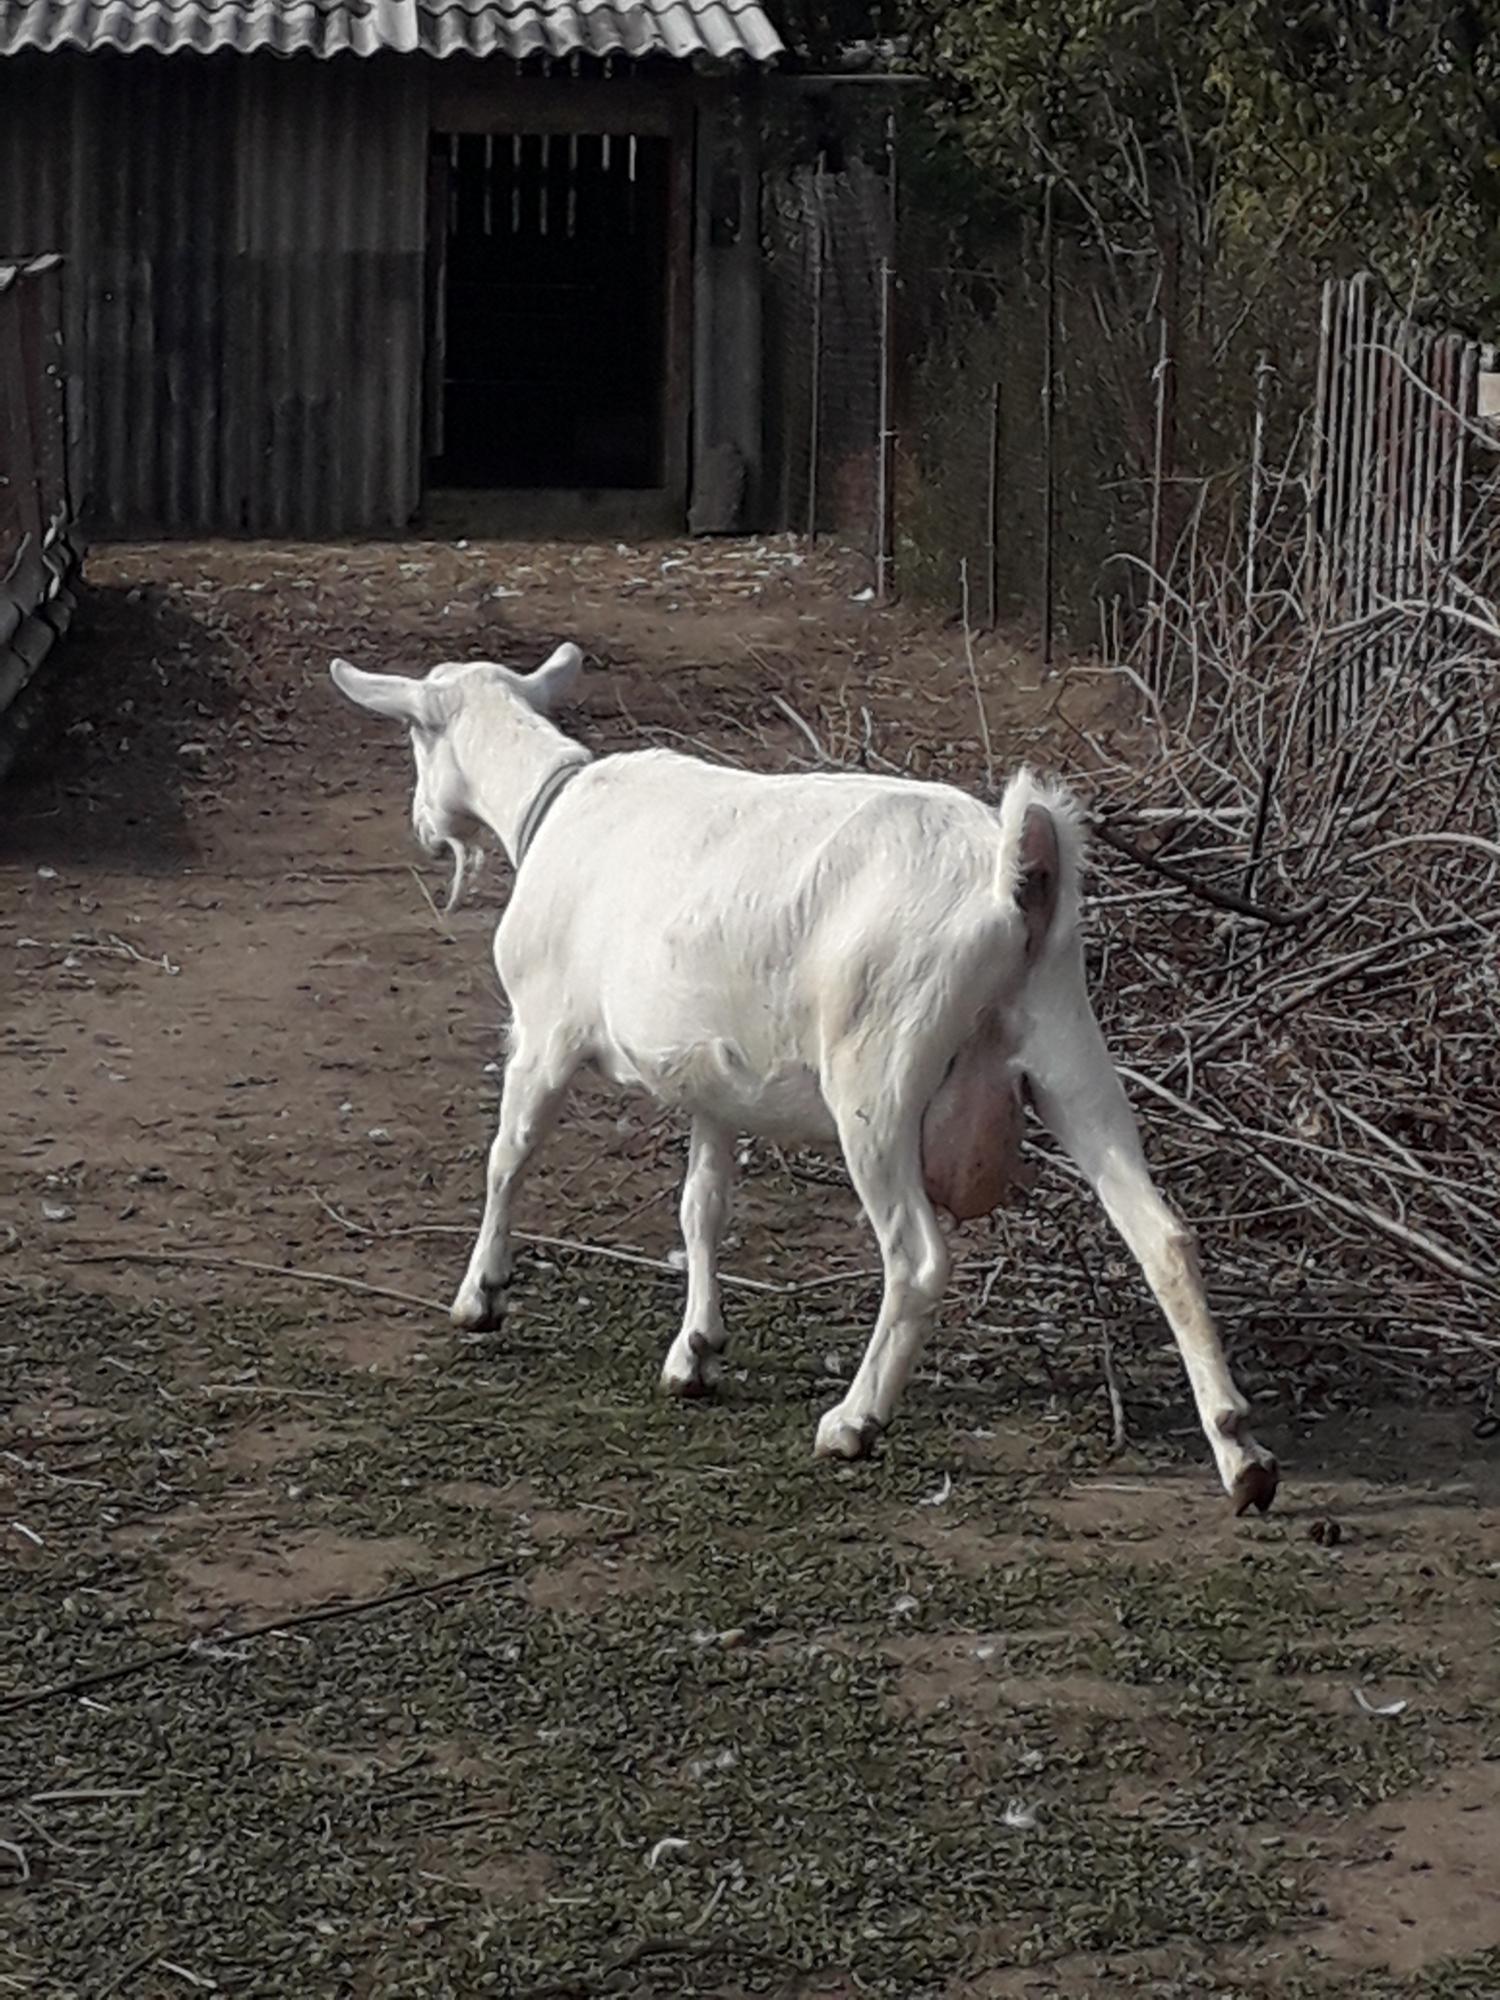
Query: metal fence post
[
  {"x": 885, "y": 526},
  {"x": 1257, "y": 476},
  {"x": 992, "y": 511},
  {"x": 1158, "y": 512},
  {"x": 816, "y": 400}
]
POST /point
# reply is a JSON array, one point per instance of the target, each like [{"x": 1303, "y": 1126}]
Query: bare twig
[
  {"x": 1221, "y": 899},
  {"x": 213, "y": 1260},
  {"x": 984, "y": 721},
  {"x": 588, "y": 1986},
  {"x": 611, "y": 1253},
  {"x": 188, "y": 1649}
]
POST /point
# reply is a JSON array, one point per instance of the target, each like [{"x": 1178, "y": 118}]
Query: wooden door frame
[
  {"x": 468, "y": 101},
  {"x": 434, "y": 306}
]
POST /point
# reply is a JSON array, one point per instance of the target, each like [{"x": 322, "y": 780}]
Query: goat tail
[{"x": 1041, "y": 858}]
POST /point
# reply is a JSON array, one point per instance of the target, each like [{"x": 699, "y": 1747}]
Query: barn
[{"x": 340, "y": 267}]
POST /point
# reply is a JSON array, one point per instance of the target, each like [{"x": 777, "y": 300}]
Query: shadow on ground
[{"x": 109, "y": 734}]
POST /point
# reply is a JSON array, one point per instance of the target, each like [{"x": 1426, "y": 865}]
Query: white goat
[{"x": 830, "y": 956}]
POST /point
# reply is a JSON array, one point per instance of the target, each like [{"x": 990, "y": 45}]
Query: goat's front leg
[
  {"x": 1079, "y": 1096},
  {"x": 885, "y": 1165},
  {"x": 691, "y": 1366},
  {"x": 530, "y": 1098}
]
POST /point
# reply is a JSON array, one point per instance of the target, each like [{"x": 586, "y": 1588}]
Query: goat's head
[{"x": 442, "y": 815}]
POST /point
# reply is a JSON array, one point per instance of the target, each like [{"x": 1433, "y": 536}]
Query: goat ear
[
  {"x": 392, "y": 695},
  {"x": 549, "y": 686}
]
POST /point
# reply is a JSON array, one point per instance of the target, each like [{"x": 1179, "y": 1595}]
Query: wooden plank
[
  {"x": 1445, "y": 534},
  {"x": 1420, "y": 435},
  {"x": 588, "y": 172},
  {"x": 1329, "y": 610},
  {"x": 1438, "y": 499},
  {"x": 1315, "y": 571},
  {"x": 1352, "y": 677},
  {"x": 1467, "y": 400},
  {"x": 1361, "y": 677},
  {"x": 1385, "y": 506},
  {"x": 992, "y": 512},
  {"x": 557, "y": 183},
  {"x": 505, "y": 184},
  {"x": 478, "y": 102},
  {"x": 1339, "y": 453},
  {"x": 677, "y": 396},
  {"x": 1391, "y": 383},
  {"x": 885, "y": 464},
  {"x": 815, "y": 359},
  {"x": 1315, "y": 549},
  {"x": 1389, "y": 388},
  {"x": 572, "y": 144},
  {"x": 435, "y": 301}
]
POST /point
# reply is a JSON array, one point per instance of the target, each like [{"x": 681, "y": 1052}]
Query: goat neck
[{"x": 506, "y": 753}]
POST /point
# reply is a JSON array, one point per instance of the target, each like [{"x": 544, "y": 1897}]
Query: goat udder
[{"x": 971, "y": 1134}]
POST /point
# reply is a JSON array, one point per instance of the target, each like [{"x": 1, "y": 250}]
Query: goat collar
[{"x": 542, "y": 801}]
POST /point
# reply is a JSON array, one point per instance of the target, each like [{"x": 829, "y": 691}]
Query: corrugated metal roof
[
  {"x": 720, "y": 30},
  {"x": 716, "y": 31},
  {"x": 286, "y": 27}
]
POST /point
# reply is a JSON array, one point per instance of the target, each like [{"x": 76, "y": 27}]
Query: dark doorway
[{"x": 548, "y": 310}]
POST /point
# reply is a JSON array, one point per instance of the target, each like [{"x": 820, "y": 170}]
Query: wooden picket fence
[{"x": 1394, "y": 414}]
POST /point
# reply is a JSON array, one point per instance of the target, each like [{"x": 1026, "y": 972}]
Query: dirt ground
[{"x": 341, "y": 1656}]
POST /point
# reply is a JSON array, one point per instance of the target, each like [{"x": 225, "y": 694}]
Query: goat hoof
[
  {"x": 1255, "y": 1487},
  {"x": 839, "y": 1438},
  {"x": 692, "y": 1368},
  {"x": 692, "y": 1387},
  {"x": 687, "y": 1388},
  {"x": 478, "y": 1308}
]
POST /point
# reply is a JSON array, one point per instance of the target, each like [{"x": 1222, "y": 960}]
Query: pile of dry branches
[{"x": 1296, "y": 895}]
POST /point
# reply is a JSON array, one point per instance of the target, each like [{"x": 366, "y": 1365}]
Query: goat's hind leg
[
  {"x": 883, "y": 1150},
  {"x": 535, "y": 1084},
  {"x": 692, "y": 1366},
  {"x": 1080, "y": 1098}
]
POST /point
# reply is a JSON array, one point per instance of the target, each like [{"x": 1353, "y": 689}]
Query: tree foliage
[
  {"x": 818, "y": 30},
  {"x": 1343, "y": 130}
]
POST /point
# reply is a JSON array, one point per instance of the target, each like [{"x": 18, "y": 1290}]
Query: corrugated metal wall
[
  {"x": 244, "y": 240},
  {"x": 244, "y": 243}
]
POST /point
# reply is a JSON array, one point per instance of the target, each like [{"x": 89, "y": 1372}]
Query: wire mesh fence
[
  {"x": 1035, "y": 436},
  {"x": 828, "y": 242},
  {"x": 1020, "y": 454},
  {"x": 1010, "y": 429}
]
